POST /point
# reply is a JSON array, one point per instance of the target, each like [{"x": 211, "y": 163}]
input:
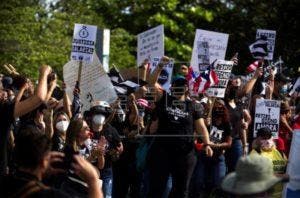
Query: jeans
[
  {"x": 208, "y": 174},
  {"x": 107, "y": 177},
  {"x": 233, "y": 154},
  {"x": 162, "y": 164}
]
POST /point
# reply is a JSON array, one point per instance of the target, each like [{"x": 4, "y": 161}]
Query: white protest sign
[
  {"x": 217, "y": 44},
  {"x": 203, "y": 55},
  {"x": 94, "y": 85},
  {"x": 165, "y": 77},
  {"x": 83, "y": 44},
  {"x": 296, "y": 87},
  {"x": 150, "y": 44},
  {"x": 223, "y": 70},
  {"x": 293, "y": 167},
  {"x": 267, "y": 114},
  {"x": 271, "y": 36}
]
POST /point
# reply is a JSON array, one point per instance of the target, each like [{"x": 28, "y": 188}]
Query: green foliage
[{"x": 33, "y": 33}]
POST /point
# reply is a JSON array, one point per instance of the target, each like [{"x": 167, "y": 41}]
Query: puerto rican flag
[{"x": 205, "y": 80}]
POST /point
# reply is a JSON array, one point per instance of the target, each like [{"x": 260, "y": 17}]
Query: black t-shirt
[
  {"x": 6, "y": 119},
  {"x": 12, "y": 185},
  {"x": 176, "y": 118},
  {"x": 218, "y": 134},
  {"x": 236, "y": 115}
]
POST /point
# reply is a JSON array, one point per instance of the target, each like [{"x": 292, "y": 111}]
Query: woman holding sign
[{"x": 172, "y": 152}]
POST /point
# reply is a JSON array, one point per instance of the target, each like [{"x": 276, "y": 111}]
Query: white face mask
[
  {"x": 62, "y": 126},
  {"x": 267, "y": 144},
  {"x": 98, "y": 119}
]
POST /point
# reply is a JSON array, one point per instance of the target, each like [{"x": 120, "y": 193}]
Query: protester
[
  {"x": 240, "y": 119},
  {"x": 285, "y": 128},
  {"x": 210, "y": 171},
  {"x": 19, "y": 108},
  {"x": 254, "y": 177},
  {"x": 175, "y": 115},
  {"x": 60, "y": 124},
  {"x": 35, "y": 161},
  {"x": 101, "y": 131},
  {"x": 264, "y": 145}
]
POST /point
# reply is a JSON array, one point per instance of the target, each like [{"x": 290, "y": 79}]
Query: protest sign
[
  {"x": 217, "y": 44},
  {"x": 95, "y": 83},
  {"x": 271, "y": 36},
  {"x": 203, "y": 55},
  {"x": 292, "y": 188},
  {"x": 223, "y": 70},
  {"x": 267, "y": 113},
  {"x": 83, "y": 44},
  {"x": 165, "y": 77},
  {"x": 296, "y": 87},
  {"x": 150, "y": 44}
]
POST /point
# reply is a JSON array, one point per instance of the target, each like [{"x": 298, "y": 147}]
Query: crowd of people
[{"x": 153, "y": 144}]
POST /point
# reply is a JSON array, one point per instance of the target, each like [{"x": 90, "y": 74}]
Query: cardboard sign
[
  {"x": 293, "y": 167},
  {"x": 83, "y": 44},
  {"x": 267, "y": 114},
  {"x": 95, "y": 83},
  {"x": 165, "y": 77},
  {"x": 271, "y": 36},
  {"x": 203, "y": 55},
  {"x": 223, "y": 70},
  {"x": 150, "y": 44},
  {"x": 217, "y": 44}
]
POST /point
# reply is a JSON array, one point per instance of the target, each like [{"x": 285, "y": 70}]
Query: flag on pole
[
  {"x": 205, "y": 80},
  {"x": 259, "y": 48}
]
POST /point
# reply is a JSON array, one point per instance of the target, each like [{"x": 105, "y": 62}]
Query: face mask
[
  {"x": 267, "y": 144},
  {"x": 62, "y": 126},
  {"x": 99, "y": 119},
  {"x": 284, "y": 89},
  {"x": 121, "y": 117}
]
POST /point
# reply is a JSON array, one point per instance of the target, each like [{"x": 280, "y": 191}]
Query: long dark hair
[
  {"x": 73, "y": 131},
  {"x": 220, "y": 111}
]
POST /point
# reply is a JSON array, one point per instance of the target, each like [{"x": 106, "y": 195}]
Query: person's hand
[
  {"x": 245, "y": 150},
  {"x": 45, "y": 70},
  {"x": 208, "y": 151},
  {"x": 144, "y": 64},
  {"x": 235, "y": 59},
  {"x": 244, "y": 125},
  {"x": 258, "y": 72},
  {"x": 52, "y": 103},
  {"x": 54, "y": 158},
  {"x": 84, "y": 170},
  {"x": 53, "y": 80},
  {"x": 163, "y": 61}
]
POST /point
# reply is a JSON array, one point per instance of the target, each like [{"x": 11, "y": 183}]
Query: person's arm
[
  {"x": 250, "y": 84},
  {"x": 202, "y": 130},
  {"x": 52, "y": 86},
  {"x": 152, "y": 81},
  {"x": 224, "y": 145},
  {"x": 89, "y": 174},
  {"x": 67, "y": 102},
  {"x": 25, "y": 106}
]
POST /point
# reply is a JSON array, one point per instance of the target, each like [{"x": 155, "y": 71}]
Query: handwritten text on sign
[
  {"x": 217, "y": 45},
  {"x": 83, "y": 44},
  {"x": 267, "y": 114},
  {"x": 150, "y": 44}
]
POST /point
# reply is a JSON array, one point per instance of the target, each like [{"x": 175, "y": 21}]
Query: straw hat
[{"x": 254, "y": 174}]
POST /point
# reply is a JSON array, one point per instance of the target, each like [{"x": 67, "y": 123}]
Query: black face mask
[{"x": 232, "y": 93}]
